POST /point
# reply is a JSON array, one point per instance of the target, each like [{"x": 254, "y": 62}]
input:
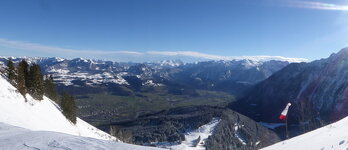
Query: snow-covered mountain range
[
  {"x": 237, "y": 73},
  {"x": 40, "y": 124}
]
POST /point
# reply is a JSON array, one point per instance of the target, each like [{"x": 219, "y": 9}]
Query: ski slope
[
  {"x": 15, "y": 138},
  {"x": 195, "y": 139},
  {"x": 38, "y": 122},
  {"x": 330, "y": 137}
]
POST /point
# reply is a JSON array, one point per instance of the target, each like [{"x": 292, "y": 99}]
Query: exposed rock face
[
  {"x": 235, "y": 131},
  {"x": 317, "y": 90}
]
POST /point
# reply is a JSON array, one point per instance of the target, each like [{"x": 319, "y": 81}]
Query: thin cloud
[
  {"x": 316, "y": 5},
  {"x": 51, "y": 49},
  {"x": 217, "y": 57},
  {"x": 56, "y": 50},
  {"x": 188, "y": 53}
]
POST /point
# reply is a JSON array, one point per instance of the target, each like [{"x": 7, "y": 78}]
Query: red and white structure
[{"x": 284, "y": 112}]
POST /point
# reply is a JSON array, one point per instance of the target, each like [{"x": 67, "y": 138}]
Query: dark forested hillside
[{"x": 317, "y": 90}]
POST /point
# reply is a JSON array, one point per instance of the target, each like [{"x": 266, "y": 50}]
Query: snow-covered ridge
[
  {"x": 269, "y": 58},
  {"x": 40, "y": 115},
  {"x": 99, "y": 72},
  {"x": 333, "y": 136}
]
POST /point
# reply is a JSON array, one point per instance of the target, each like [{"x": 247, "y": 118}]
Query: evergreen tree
[
  {"x": 35, "y": 83},
  {"x": 50, "y": 89},
  {"x": 69, "y": 107},
  {"x": 22, "y": 75},
  {"x": 11, "y": 73}
]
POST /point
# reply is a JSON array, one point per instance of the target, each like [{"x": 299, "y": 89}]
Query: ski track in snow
[{"x": 198, "y": 136}]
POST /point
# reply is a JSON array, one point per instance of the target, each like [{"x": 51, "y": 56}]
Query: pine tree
[
  {"x": 22, "y": 75},
  {"x": 35, "y": 82},
  {"x": 69, "y": 107},
  {"x": 11, "y": 73},
  {"x": 50, "y": 89}
]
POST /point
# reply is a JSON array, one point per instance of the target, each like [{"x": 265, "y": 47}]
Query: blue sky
[{"x": 130, "y": 30}]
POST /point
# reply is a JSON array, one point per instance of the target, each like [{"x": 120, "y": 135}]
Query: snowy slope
[
  {"x": 40, "y": 115},
  {"x": 15, "y": 138},
  {"x": 40, "y": 125},
  {"x": 333, "y": 136}
]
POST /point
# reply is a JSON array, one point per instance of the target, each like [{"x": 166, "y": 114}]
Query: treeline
[{"x": 28, "y": 79}]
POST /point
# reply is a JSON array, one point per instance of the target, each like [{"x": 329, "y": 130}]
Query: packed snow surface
[
  {"x": 15, "y": 138},
  {"x": 333, "y": 136}
]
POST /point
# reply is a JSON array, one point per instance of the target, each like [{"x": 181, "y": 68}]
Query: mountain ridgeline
[
  {"x": 317, "y": 90},
  {"x": 232, "y": 76}
]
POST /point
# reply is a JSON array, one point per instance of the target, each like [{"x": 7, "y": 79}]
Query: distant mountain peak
[
  {"x": 344, "y": 50},
  {"x": 270, "y": 58},
  {"x": 342, "y": 54}
]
